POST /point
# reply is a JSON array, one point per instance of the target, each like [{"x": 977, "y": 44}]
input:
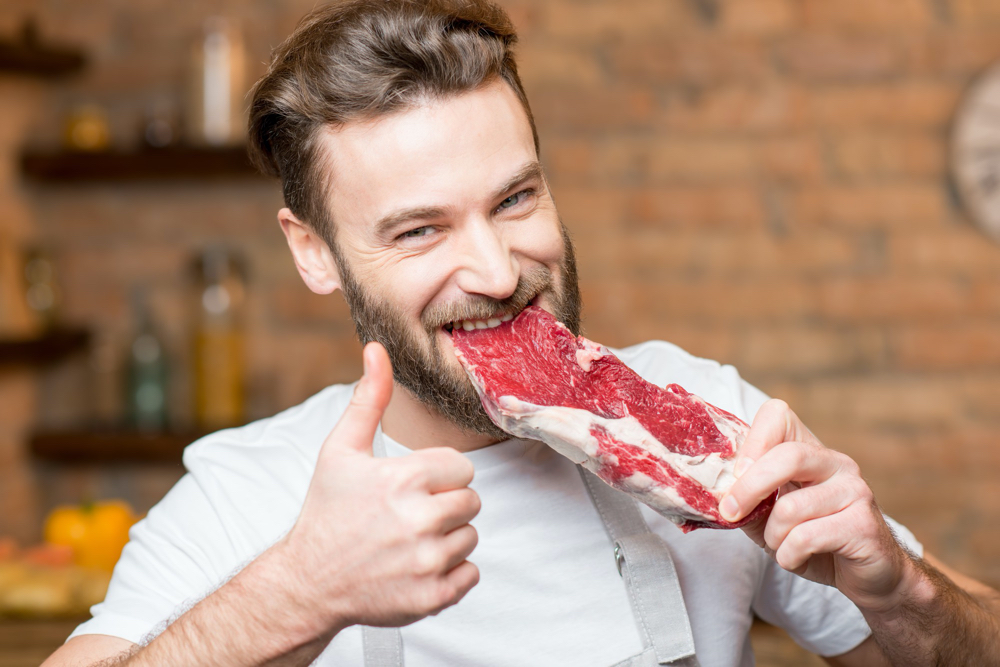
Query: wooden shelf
[
  {"x": 36, "y": 60},
  {"x": 105, "y": 445},
  {"x": 155, "y": 164},
  {"x": 44, "y": 349}
]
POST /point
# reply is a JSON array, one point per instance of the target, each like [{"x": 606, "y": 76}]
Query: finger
[
  {"x": 459, "y": 545},
  {"x": 802, "y": 505},
  {"x": 773, "y": 424},
  {"x": 441, "y": 469},
  {"x": 833, "y": 534},
  {"x": 356, "y": 428},
  {"x": 755, "y": 530},
  {"x": 456, "y": 508},
  {"x": 461, "y": 579},
  {"x": 787, "y": 462}
]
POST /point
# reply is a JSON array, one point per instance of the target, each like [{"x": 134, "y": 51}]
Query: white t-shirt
[{"x": 549, "y": 592}]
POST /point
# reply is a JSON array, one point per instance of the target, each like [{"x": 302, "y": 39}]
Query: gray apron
[{"x": 644, "y": 563}]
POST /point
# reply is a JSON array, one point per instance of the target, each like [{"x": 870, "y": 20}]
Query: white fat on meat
[{"x": 568, "y": 431}]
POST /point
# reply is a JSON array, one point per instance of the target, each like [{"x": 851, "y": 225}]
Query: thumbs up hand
[{"x": 383, "y": 541}]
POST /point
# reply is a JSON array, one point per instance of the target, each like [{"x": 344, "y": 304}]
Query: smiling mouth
[{"x": 487, "y": 323}]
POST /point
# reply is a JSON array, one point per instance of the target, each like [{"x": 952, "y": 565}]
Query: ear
[{"x": 312, "y": 256}]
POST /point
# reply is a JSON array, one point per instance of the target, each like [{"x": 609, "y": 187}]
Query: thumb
[{"x": 356, "y": 428}]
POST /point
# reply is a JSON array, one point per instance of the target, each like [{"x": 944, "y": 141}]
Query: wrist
[
  {"x": 914, "y": 589},
  {"x": 295, "y": 606}
]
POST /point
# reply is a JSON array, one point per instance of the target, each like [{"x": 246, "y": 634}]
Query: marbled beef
[{"x": 666, "y": 447}]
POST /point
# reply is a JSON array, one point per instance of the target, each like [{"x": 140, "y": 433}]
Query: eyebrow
[{"x": 389, "y": 222}]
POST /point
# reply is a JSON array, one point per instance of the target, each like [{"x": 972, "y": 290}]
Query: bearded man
[{"x": 409, "y": 164}]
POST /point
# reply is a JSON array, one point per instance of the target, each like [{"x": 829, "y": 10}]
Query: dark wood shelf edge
[
  {"x": 44, "y": 349},
  {"x": 99, "y": 446},
  {"x": 36, "y": 60},
  {"x": 179, "y": 163}
]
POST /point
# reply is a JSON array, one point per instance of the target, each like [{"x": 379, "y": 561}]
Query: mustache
[{"x": 478, "y": 307}]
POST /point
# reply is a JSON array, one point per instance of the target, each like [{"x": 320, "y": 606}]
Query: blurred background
[{"x": 801, "y": 188}]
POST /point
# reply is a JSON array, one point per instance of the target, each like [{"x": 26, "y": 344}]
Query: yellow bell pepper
[{"x": 97, "y": 532}]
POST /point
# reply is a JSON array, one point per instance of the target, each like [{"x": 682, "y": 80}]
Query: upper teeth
[{"x": 469, "y": 325}]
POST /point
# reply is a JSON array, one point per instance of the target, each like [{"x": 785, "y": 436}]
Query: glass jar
[{"x": 218, "y": 345}]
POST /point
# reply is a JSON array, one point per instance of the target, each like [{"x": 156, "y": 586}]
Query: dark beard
[{"x": 419, "y": 365}]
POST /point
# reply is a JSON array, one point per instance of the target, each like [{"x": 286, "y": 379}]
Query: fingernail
[
  {"x": 743, "y": 466},
  {"x": 728, "y": 508}
]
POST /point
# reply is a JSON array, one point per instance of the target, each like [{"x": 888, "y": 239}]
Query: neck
[{"x": 414, "y": 425}]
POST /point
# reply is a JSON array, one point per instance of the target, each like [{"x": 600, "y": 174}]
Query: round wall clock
[{"x": 975, "y": 152}]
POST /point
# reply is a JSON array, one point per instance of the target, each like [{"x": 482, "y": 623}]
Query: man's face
[{"x": 442, "y": 214}]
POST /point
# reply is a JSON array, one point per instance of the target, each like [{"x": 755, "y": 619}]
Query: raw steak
[{"x": 665, "y": 447}]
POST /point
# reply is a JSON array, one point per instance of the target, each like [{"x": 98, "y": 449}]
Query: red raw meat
[{"x": 665, "y": 447}]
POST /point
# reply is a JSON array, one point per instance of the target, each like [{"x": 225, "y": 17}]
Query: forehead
[{"x": 448, "y": 152}]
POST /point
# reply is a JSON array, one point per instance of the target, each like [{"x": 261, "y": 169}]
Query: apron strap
[
  {"x": 643, "y": 561},
  {"x": 383, "y": 646},
  {"x": 646, "y": 566},
  {"x": 648, "y": 659}
]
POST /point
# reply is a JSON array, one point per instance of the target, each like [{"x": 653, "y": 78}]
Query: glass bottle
[
  {"x": 218, "y": 341},
  {"x": 216, "y": 104},
  {"x": 147, "y": 372}
]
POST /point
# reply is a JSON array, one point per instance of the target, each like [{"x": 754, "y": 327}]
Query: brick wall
[{"x": 763, "y": 182}]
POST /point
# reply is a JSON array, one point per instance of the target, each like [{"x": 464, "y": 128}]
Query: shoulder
[
  {"x": 295, "y": 434},
  {"x": 663, "y": 363},
  {"x": 255, "y": 477}
]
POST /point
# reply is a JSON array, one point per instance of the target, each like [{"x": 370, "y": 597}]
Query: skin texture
[
  {"x": 449, "y": 158},
  {"x": 827, "y": 527}
]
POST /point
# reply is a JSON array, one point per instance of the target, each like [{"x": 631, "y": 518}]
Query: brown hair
[{"x": 364, "y": 58}]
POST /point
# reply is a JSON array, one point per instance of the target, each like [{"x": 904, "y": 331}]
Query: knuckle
[
  {"x": 417, "y": 477},
  {"x": 864, "y": 492},
  {"x": 428, "y": 559},
  {"x": 849, "y": 465},
  {"x": 777, "y": 405},
  {"x": 394, "y": 477},
  {"x": 798, "y": 454},
  {"x": 787, "y": 508},
  {"x": 857, "y": 490},
  {"x": 795, "y": 544},
  {"x": 425, "y": 519},
  {"x": 813, "y": 449}
]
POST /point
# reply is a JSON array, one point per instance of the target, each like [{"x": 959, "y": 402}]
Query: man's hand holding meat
[{"x": 827, "y": 527}]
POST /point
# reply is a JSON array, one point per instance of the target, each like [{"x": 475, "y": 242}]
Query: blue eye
[
  {"x": 514, "y": 200},
  {"x": 510, "y": 201},
  {"x": 416, "y": 233}
]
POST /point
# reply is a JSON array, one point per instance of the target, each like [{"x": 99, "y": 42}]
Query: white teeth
[{"x": 470, "y": 325}]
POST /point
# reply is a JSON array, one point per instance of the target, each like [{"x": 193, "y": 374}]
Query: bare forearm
[
  {"x": 254, "y": 619},
  {"x": 938, "y": 623}
]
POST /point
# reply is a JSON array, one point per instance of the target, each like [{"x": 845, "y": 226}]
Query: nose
[{"x": 489, "y": 267}]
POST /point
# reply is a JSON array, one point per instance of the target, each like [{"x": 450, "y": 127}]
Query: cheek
[
  {"x": 539, "y": 240},
  {"x": 411, "y": 285}
]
